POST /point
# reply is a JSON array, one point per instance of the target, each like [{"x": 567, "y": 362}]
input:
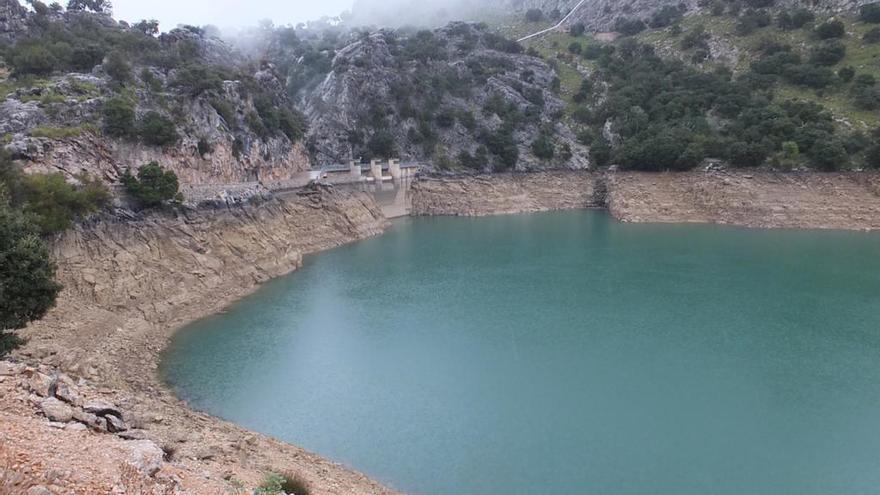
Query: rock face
[
  {"x": 751, "y": 199},
  {"x": 437, "y": 94},
  {"x": 217, "y": 104},
  {"x": 504, "y": 193}
]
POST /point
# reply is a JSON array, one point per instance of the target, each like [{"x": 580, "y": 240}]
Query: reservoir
[{"x": 563, "y": 353}]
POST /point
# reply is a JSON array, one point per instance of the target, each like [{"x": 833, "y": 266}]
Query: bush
[
  {"x": 666, "y": 16},
  {"x": 870, "y": 13},
  {"x": 381, "y": 145},
  {"x": 117, "y": 68},
  {"x": 872, "y": 36},
  {"x": 119, "y": 117},
  {"x": 829, "y": 155},
  {"x": 534, "y": 15},
  {"x": 846, "y": 74},
  {"x": 293, "y": 484},
  {"x": 575, "y": 48},
  {"x": 153, "y": 185},
  {"x": 795, "y": 19},
  {"x": 27, "y": 275},
  {"x": 577, "y": 29},
  {"x": 872, "y": 156},
  {"x": 629, "y": 27},
  {"x": 157, "y": 130},
  {"x": 32, "y": 58},
  {"x": 828, "y": 53},
  {"x": 53, "y": 203},
  {"x": 831, "y": 29},
  {"x": 543, "y": 147}
]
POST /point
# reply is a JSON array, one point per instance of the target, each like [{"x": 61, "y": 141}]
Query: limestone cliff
[
  {"x": 482, "y": 195},
  {"x": 751, "y": 199}
]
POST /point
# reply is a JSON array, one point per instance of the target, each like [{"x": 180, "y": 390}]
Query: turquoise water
[{"x": 563, "y": 353}]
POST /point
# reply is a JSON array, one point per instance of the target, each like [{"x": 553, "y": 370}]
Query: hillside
[{"x": 777, "y": 86}]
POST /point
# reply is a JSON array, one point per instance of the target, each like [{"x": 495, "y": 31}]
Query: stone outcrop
[
  {"x": 380, "y": 82},
  {"x": 481, "y": 195},
  {"x": 129, "y": 283},
  {"x": 750, "y": 198},
  {"x": 747, "y": 198}
]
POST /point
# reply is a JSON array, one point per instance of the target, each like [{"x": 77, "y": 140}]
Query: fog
[
  {"x": 418, "y": 12},
  {"x": 227, "y": 13},
  {"x": 244, "y": 13}
]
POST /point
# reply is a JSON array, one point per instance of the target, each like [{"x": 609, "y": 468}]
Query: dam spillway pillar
[
  {"x": 394, "y": 169},
  {"x": 376, "y": 170},
  {"x": 354, "y": 169}
]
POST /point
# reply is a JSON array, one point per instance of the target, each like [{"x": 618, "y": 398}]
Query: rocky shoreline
[
  {"x": 747, "y": 198},
  {"x": 129, "y": 285},
  {"x": 82, "y": 409}
]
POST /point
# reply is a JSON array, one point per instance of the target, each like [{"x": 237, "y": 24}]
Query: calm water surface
[{"x": 563, "y": 353}]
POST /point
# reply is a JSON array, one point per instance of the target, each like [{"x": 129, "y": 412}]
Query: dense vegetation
[
  {"x": 142, "y": 65},
  {"x": 673, "y": 112},
  {"x": 152, "y": 186}
]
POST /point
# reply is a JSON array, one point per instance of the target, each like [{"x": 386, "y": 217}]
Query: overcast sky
[{"x": 226, "y": 13}]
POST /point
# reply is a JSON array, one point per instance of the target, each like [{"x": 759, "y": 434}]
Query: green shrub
[
  {"x": 543, "y": 147},
  {"x": 293, "y": 484},
  {"x": 381, "y": 145},
  {"x": 577, "y": 29},
  {"x": 224, "y": 110},
  {"x": 204, "y": 147},
  {"x": 119, "y": 117},
  {"x": 872, "y": 156},
  {"x": 870, "y": 13},
  {"x": 32, "y": 58},
  {"x": 534, "y": 15},
  {"x": 53, "y": 203},
  {"x": 828, "y": 53},
  {"x": 117, "y": 67},
  {"x": 157, "y": 130},
  {"x": 831, "y": 29},
  {"x": 27, "y": 275},
  {"x": 872, "y": 35},
  {"x": 153, "y": 185}
]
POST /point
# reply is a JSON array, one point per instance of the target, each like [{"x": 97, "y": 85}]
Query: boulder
[
  {"x": 56, "y": 410},
  {"x": 87, "y": 419},
  {"x": 115, "y": 424},
  {"x": 40, "y": 384},
  {"x": 102, "y": 408},
  {"x": 65, "y": 390},
  {"x": 10, "y": 369},
  {"x": 145, "y": 456}
]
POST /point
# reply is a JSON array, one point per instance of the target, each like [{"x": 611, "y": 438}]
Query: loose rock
[{"x": 56, "y": 410}]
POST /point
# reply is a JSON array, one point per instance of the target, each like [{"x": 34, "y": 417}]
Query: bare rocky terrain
[{"x": 128, "y": 285}]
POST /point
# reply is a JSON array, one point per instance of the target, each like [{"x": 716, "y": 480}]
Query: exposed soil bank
[
  {"x": 747, "y": 198},
  {"x": 128, "y": 286}
]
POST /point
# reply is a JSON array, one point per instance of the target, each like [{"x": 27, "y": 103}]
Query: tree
[
  {"x": 118, "y": 117},
  {"x": 870, "y": 13},
  {"x": 99, "y": 6},
  {"x": 831, "y": 29},
  {"x": 117, "y": 67},
  {"x": 828, "y": 53},
  {"x": 577, "y": 29},
  {"x": 157, "y": 130},
  {"x": 27, "y": 275},
  {"x": 534, "y": 15},
  {"x": 872, "y": 156},
  {"x": 829, "y": 155},
  {"x": 153, "y": 185}
]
